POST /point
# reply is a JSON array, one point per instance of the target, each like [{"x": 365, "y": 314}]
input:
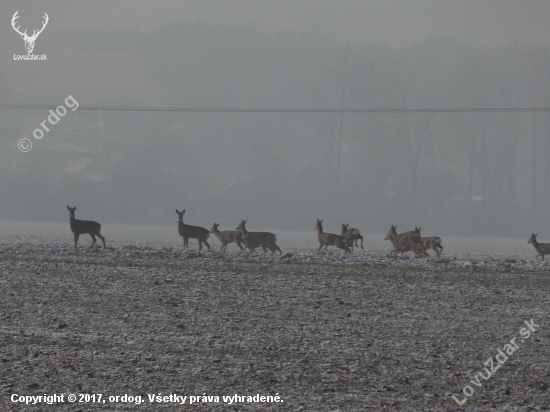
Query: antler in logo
[{"x": 29, "y": 40}]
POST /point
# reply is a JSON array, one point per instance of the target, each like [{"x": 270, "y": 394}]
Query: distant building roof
[{"x": 79, "y": 165}]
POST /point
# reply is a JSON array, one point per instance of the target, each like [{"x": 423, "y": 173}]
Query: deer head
[
  {"x": 29, "y": 40},
  {"x": 71, "y": 210},
  {"x": 241, "y": 225},
  {"x": 391, "y": 233},
  {"x": 180, "y": 215},
  {"x": 319, "y": 225}
]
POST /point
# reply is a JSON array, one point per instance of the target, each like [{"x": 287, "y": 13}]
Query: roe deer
[
  {"x": 351, "y": 235},
  {"x": 424, "y": 243},
  {"x": 80, "y": 227},
  {"x": 402, "y": 242},
  {"x": 191, "y": 232},
  {"x": 330, "y": 239},
  {"x": 227, "y": 236},
  {"x": 541, "y": 248},
  {"x": 255, "y": 239}
]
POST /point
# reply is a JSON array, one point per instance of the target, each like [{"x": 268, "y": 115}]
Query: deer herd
[{"x": 348, "y": 237}]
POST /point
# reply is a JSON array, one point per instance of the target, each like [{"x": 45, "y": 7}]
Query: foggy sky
[
  {"x": 467, "y": 173},
  {"x": 398, "y": 23}
]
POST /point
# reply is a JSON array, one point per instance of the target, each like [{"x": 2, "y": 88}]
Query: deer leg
[
  {"x": 76, "y": 236},
  {"x": 200, "y": 244},
  {"x": 239, "y": 245},
  {"x": 263, "y": 247},
  {"x": 279, "y": 249},
  {"x": 320, "y": 246},
  {"x": 362, "y": 243},
  {"x": 93, "y": 238},
  {"x": 206, "y": 243},
  {"x": 102, "y": 239}
]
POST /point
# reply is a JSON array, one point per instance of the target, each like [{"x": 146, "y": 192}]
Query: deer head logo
[{"x": 29, "y": 40}]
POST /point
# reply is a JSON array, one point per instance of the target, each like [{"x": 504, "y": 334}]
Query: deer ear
[
  {"x": 183, "y": 211},
  {"x": 177, "y": 211},
  {"x": 68, "y": 208}
]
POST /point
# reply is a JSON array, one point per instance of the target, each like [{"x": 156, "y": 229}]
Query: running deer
[
  {"x": 541, "y": 248},
  {"x": 402, "y": 242},
  {"x": 351, "y": 235},
  {"x": 424, "y": 243},
  {"x": 80, "y": 227},
  {"x": 191, "y": 232},
  {"x": 255, "y": 239},
  {"x": 227, "y": 236},
  {"x": 330, "y": 239}
]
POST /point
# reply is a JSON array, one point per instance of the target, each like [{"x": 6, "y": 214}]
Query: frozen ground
[{"x": 325, "y": 332}]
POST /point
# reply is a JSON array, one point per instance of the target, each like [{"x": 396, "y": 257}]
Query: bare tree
[
  {"x": 335, "y": 129},
  {"x": 409, "y": 89}
]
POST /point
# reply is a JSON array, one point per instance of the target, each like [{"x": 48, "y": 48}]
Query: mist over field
[
  {"x": 292, "y": 117},
  {"x": 464, "y": 174}
]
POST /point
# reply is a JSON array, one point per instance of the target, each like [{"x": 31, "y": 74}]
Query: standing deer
[
  {"x": 191, "y": 232},
  {"x": 351, "y": 235},
  {"x": 255, "y": 239},
  {"x": 227, "y": 236},
  {"x": 541, "y": 248},
  {"x": 402, "y": 242},
  {"x": 79, "y": 227},
  {"x": 330, "y": 239}
]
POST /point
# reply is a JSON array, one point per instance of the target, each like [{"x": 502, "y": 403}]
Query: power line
[{"x": 282, "y": 109}]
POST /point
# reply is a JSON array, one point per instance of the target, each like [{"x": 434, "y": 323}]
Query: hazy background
[{"x": 450, "y": 173}]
